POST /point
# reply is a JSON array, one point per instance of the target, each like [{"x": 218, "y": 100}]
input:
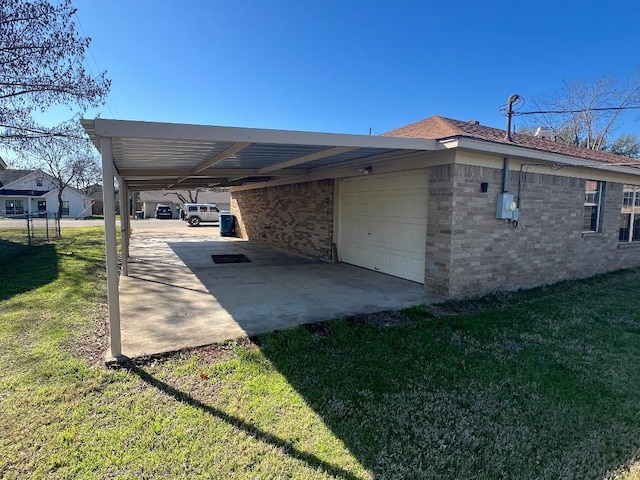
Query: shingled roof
[
  {"x": 10, "y": 176},
  {"x": 442, "y": 128}
]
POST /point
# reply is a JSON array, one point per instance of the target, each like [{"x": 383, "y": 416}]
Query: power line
[
  {"x": 95, "y": 61},
  {"x": 598, "y": 109}
]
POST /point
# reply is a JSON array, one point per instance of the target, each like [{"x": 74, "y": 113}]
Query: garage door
[{"x": 383, "y": 223}]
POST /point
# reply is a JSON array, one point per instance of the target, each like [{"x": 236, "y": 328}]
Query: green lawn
[{"x": 538, "y": 384}]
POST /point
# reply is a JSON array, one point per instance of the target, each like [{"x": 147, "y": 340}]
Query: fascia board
[
  {"x": 171, "y": 131},
  {"x": 537, "y": 155}
]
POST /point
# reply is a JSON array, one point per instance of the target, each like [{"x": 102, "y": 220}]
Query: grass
[{"x": 543, "y": 383}]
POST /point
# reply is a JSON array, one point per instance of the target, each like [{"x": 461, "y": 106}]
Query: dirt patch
[
  {"x": 469, "y": 306},
  {"x": 91, "y": 344},
  {"x": 382, "y": 319},
  {"x": 206, "y": 354},
  {"x": 441, "y": 312},
  {"x": 317, "y": 330}
]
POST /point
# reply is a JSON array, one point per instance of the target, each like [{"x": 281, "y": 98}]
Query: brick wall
[
  {"x": 439, "y": 208},
  {"x": 548, "y": 245},
  {"x": 468, "y": 251},
  {"x": 296, "y": 217}
]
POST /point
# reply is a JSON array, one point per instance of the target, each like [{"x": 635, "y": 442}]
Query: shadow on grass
[
  {"x": 240, "y": 424},
  {"x": 25, "y": 267},
  {"x": 544, "y": 386}
]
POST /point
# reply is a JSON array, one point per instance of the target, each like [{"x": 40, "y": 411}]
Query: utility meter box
[{"x": 506, "y": 207}]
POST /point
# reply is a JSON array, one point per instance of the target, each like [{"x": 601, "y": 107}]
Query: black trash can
[{"x": 227, "y": 225}]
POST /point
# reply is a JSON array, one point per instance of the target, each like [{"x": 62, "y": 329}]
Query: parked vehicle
[
  {"x": 196, "y": 213},
  {"x": 163, "y": 211}
]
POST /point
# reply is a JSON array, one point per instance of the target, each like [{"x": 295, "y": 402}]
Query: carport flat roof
[
  {"x": 159, "y": 156},
  {"x": 150, "y": 155}
]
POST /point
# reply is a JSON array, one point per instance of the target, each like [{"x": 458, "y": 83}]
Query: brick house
[
  {"x": 432, "y": 217},
  {"x": 459, "y": 207}
]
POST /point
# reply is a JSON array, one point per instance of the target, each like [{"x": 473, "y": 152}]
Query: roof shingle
[
  {"x": 441, "y": 128},
  {"x": 10, "y": 176}
]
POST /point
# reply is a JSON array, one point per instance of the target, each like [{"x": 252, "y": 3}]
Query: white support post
[
  {"x": 124, "y": 238},
  {"x": 128, "y": 217},
  {"x": 129, "y": 213},
  {"x": 108, "y": 192}
]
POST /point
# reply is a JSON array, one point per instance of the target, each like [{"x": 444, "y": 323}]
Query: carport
[{"x": 155, "y": 156}]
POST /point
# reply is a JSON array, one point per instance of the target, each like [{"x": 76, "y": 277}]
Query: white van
[{"x": 196, "y": 213}]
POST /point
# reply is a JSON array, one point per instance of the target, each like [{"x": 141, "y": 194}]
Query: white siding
[{"x": 79, "y": 206}]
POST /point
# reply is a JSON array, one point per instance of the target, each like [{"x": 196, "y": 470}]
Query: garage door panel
[
  {"x": 356, "y": 255},
  {"x": 362, "y": 185},
  {"x": 383, "y": 223}
]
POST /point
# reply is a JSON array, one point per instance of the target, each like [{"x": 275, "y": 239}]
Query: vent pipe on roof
[
  {"x": 512, "y": 99},
  {"x": 544, "y": 132}
]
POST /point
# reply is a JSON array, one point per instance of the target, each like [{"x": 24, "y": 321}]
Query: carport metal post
[
  {"x": 108, "y": 197},
  {"x": 124, "y": 225},
  {"x": 128, "y": 217}
]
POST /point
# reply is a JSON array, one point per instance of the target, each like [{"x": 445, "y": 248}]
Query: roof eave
[
  {"x": 538, "y": 155},
  {"x": 101, "y": 127}
]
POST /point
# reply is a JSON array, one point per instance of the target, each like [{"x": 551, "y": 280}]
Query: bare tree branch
[
  {"x": 586, "y": 114},
  {"x": 42, "y": 65},
  {"x": 68, "y": 161}
]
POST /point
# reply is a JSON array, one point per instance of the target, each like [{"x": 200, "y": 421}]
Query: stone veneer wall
[
  {"x": 297, "y": 217},
  {"x": 548, "y": 246}
]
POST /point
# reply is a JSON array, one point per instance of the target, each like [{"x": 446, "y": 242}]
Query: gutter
[{"x": 537, "y": 155}]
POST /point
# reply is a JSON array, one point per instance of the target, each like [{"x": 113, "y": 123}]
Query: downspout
[{"x": 505, "y": 175}]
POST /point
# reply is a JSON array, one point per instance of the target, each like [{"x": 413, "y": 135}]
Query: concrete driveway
[{"x": 176, "y": 296}]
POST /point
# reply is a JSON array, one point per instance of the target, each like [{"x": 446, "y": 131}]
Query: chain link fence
[{"x": 19, "y": 233}]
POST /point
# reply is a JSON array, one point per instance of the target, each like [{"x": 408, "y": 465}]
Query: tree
[
  {"x": 193, "y": 195},
  {"x": 88, "y": 173},
  {"x": 625, "y": 145},
  {"x": 41, "y": 65},
  {"x": 587, "y": 114},
  {"x": 65, "y": 159}
]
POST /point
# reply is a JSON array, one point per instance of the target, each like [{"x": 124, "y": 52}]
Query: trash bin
[
  {"x": 140, "y": 214},
  {"x": 227, "y": 225}
]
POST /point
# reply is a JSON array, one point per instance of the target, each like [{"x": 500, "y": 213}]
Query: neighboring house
[
  {"x": 3, "y": 166},
  {"x": 97, "y": 202},
  {"x": 33, "y": 192},
  {"x": 151, "y": 199},
  {"x": 480, "y": 213}
]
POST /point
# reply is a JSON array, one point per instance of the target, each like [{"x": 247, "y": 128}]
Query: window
[
  {"x": 592, "y": 205},
  {"x": 65, "y": 207},
  {"x": 14, "y": 207},
  {"x": 193, "y": 208},
  {"x": 42, "y": 205},
  {"x": 38, "y": 182},
  {"x": 630, "y": 215},
  {"x": 204, "y": 209}
]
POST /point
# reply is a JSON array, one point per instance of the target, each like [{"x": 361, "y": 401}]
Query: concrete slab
[{"x": 176, "y": 297}]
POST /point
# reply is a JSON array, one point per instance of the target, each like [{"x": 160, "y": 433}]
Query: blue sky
[{"x": 347, "y": 66}]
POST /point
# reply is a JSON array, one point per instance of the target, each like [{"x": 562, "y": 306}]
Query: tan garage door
[{"x": 383, "y": 223}]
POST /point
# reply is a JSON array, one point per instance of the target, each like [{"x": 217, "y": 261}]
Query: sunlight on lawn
[{"x": 538, "y": 384}]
